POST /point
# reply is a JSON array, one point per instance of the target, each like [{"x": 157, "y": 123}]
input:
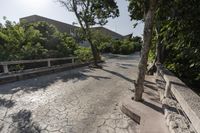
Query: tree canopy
[
  {"x": 90, "y": 13},
  {"x": 176, "y": 30},
  {"x": 33, "y": 41}
]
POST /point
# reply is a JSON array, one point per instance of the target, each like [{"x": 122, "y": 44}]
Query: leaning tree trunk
[
  {"x": 86, "y": 29},
  {"x": 148, "y": 27},
  {"x": 94, "y": 52},
  {"x": 152, "y": 69}
]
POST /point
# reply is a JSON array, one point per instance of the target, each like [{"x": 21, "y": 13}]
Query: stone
[
  {"x": 110, "y": 123},
  {"x": 188, "y": 100},
  {"x": 121, "y": 123},
  {"x": 121, "y": 130},
  {"x": 144, "y": 115},
  {"x": 105, "y": 129},
  {"x": 169, "y": 118},
  {"x": 173, "y": 124}
]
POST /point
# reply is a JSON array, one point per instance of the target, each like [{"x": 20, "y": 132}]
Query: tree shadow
[
  {"x": 148, "y": 82},
  {"x": 23, "y": 123},
  {"x": 151, "y": 87},
  {"x": 42, "y": 82},
  {"x": 98, "y": 108},
  {"x": 6, "y": 103},
  {"x": 153, "y": 106},
  {"x": 160, "y": 84},
  {"x": 125, "y": 65},
  {"x": 119, "y": 75}
]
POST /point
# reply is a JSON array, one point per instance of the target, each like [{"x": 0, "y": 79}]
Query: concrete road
[{"x": 82, "y": 100}]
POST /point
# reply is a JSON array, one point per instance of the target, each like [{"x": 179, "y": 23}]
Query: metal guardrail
[{"x": 5, "y": 64}]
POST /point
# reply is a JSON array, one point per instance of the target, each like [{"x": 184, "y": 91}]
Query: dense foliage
[
  {"x": 84, "y": 54},
  {"x": 33, "y": 41},
  {"x": 176, "y": 31},
  {"x": 180, "y": 36},
  {"x": 122, "y": 46},
  {"x": 101, "y": 41},
  {"x": 106, "y": 44},
  {"x": 24, "y": 41},
  {"x": 125, "y": 46}
]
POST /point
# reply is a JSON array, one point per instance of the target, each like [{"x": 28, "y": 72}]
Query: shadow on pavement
[
  {"x": 35, "y": 84},
  {"x": 6, "y": 103},
  {"x": 23, "y": 123},
  {"x": 153, "y": 106},
  {"x": 119, "y": 75}
]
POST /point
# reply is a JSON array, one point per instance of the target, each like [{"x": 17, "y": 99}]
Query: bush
[
  {"x": 137, "y": 46},
  {"x": 101, "y": 41},
  {"x": 122, "y": 47},
  {"x": 36, "y": 51},
  {"x": 105, "y": 47},
  {"x": 127, "y": 46},
  {"x": 83, "y": 54},
  {"x": 67, "y": 46},
  {"x": 26, "y": 41},
  {"x": 115, "y": 46}
]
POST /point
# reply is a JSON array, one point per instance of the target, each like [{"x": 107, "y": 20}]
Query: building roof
[
  {"x": 108, "y": 31},
  {"x": 64, "y": 27},
  {"x": 128, "y": 36}
]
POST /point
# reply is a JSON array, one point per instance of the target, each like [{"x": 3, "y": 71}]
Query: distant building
[
  {"x": 128, "y": 36},
  {"x": 108, "y": 32},
  {"x": 62, "y": 27},
  {"x": 68, "y": 28}
]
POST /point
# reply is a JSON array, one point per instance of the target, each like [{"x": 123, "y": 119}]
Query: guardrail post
[
  {"x": 49, "y": 63},
  {"x": 5, "y": 69},
  {"x": 157, "y": 69},
  {"x": 167, "y": 89},
  {"x": 72, "y": 60}
]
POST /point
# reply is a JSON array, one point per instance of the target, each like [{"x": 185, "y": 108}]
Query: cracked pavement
[{"x": 82, "y": 100}]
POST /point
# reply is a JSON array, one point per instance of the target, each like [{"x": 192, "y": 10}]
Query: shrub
[
  {"x": 67, "y": 46},
  {"x": 122, "y": 47},
  {"x": 105, "y": 47},
  {"x": 137, "y": 46},
  {"x": 83, "y": 54},
  {"x": 34, "y": 41},
  {"x": 115, "y": 46},
  {"x": 127, "y": 46},
  {"x": 101, "y": 41}
]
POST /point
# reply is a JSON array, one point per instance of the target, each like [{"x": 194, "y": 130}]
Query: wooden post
[
  {"x": 5, "y": 69},
  {"x": 49, "y": 63}
]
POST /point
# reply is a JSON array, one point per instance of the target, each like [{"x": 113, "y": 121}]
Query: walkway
[{"x": 82, "y": 100}]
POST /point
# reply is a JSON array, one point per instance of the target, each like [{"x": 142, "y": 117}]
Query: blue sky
[{"x": 15, "y": 9}]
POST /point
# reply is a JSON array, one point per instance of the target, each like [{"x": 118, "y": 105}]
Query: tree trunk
[
  {"x": 94, "y": 52},
  {"x": 157, "y": 59},
  {"x": 148, "y": 27},
  {"x": 86, "y": 29},
  {"x": 158, "y": 48}
]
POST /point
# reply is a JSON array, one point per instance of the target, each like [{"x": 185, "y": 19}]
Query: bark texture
[
  {"x": 152, "y": 69},
  {"x": 95, "y": 53},
  {"x": 148, "y": 27},
  {"x": 86, "y": 29}
]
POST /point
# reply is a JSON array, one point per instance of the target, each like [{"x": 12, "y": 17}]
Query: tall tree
[
  {"x": 176, "y": 31},
  {"x": 145, "y": 11},
  {"x": 90, "y": 13}
]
